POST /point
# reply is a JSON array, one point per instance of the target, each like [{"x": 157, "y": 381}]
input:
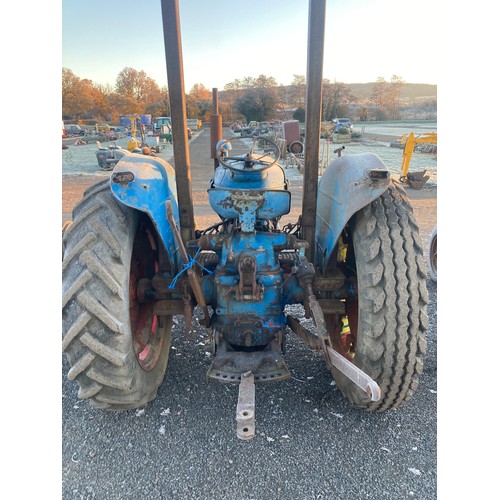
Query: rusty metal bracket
[
  {"x": 248, "y": 289},
  {"x": 245, "y": 410},
  {"x": 193, "y": 280},
  {"x": 188, "y": 310}
]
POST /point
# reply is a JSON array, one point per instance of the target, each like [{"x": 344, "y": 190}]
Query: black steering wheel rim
[{"x": 248, "y": 162}]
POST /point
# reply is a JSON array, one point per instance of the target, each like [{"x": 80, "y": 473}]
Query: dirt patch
[
  {"x": 73, "y": 187},
  {"x": 424, "y": 204}
]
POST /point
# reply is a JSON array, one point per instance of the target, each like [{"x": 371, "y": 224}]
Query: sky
[{"x": 224, "y": 40}]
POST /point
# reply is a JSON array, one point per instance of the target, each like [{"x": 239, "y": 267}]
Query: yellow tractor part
[
  {"x": 345, "y": 326},
  {"x": 133, "y": 143},
  {"x": 417, "y": 179}
]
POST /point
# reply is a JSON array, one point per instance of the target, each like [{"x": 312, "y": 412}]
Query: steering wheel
[{"x": 251, "y": 161}]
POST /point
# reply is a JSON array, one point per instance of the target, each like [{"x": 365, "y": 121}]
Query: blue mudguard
[
  {"x": 347, "y": 185},
  {"x": 153, "y": 183}
]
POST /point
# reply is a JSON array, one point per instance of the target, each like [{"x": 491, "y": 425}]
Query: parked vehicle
[
  {"x": 353, "y": 262},
  {"x": 343, "y": 123},
  {"x": 118, "y": 129},
  {"x": 194, "y": 123},
  {"x": 102, "y": 127},
  {"x": 249, "y": 131},
  {"x": 236, "y": 127},
  {"x": 162, "y": 121},
  {"x": 74, "y": 130},
  {"x": 263, "y": 128}
]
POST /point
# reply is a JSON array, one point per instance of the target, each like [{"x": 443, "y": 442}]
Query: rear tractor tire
[
  {"x": 388, "y": 317},
  {"x": 116, "y": 347}
]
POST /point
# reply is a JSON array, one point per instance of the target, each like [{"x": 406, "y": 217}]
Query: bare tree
[
  {"x": 394, "y": 97},
  {"x": 387, "y": 97},
  {"x": 336, "y": 99},
  {"x": 297, "y": 92}
]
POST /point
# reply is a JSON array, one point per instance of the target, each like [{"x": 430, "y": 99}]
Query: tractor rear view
[{"x": 134, "y": 258}]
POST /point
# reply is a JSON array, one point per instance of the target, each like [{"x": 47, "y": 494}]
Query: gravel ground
[{"x": 309, "y": 443}]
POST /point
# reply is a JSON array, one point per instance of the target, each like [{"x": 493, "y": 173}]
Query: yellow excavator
[{"x": 415, "y": 180}]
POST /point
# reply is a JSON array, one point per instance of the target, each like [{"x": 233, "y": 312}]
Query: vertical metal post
[
  {"x": 215, "y": 126},
  {"x": 315, "y": 48},
  {"x": 175, "y": 78},
  {"x": 215, "y": 101}
]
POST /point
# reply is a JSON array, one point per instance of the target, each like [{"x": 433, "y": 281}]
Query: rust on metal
[
  {"x": 315, "y": 48},
  {"x": 245, "y": 410},
  {"x": 168, "y": 307},
  {"x": 177, "y": 97},
  {"x": 267, "y": 366},
  {"x": 248, "y": 288},
  {"x": 193, "y": 280},
  {"x": 215, "y": 126},
  {"x": 329, "y": 283},
  {"x": 331, "y": 306},
  {"x": 303, "y": 333},
  {"x": 161, "y": 285}
]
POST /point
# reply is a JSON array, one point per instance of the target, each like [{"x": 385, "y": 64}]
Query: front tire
[
  {"x": 388, "y": 317},
  {"x": 117, "y": 348}
]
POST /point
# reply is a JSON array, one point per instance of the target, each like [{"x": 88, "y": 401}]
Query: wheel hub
[{"x": 145, "y": 326}]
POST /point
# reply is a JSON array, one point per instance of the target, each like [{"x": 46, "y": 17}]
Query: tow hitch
[{"x": 245, "y": 410}]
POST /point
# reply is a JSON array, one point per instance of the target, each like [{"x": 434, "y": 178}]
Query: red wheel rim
[{"x": 146, "y": 328}]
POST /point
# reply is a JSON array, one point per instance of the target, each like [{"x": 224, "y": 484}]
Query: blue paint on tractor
[
  {"x": 250, "y": 195},
  {"x": 153, "y": 184},
  {"x": 248, "y": 301},
  {"x": 250, "y": 286}
]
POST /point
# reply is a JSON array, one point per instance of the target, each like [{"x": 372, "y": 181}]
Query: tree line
[{"x": 258, "y": 98}]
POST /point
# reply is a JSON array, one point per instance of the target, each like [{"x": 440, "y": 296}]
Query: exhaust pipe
[{"x": 215, "y": 126}]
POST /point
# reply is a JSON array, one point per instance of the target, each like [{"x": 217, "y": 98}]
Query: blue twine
[{"x": 186, "y": 266}]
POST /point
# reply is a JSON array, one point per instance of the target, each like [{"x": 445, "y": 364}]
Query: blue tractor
[{"x": 353, "y": 263}]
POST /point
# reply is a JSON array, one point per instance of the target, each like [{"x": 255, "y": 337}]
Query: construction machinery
[
  {"x": 416, "y": 180},
  {"x": 133, "y": 259}
]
